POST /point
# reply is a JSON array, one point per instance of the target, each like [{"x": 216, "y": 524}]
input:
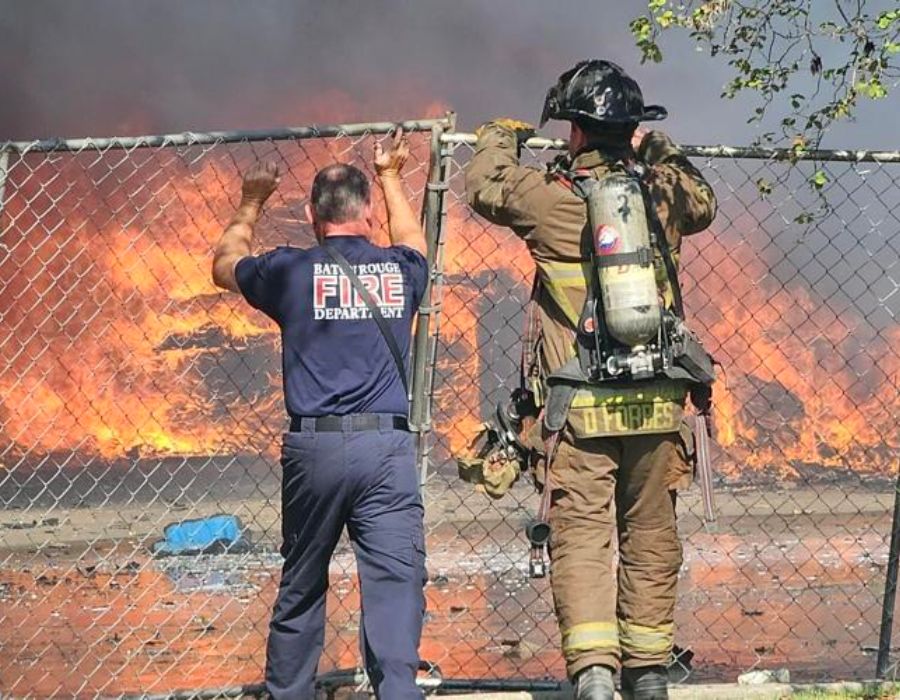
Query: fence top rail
[
  {"x": 857, "y": 156},
  {"x": 192, "y": 138}
]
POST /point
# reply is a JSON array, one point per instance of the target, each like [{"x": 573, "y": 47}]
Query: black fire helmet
[{"x": 601, "y": 92}]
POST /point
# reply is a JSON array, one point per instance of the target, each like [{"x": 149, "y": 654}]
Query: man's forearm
[
  {"x": 236, "y": 243},
  {"x": 403, "y": 225}
]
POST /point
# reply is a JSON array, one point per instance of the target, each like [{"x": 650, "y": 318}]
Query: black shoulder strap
[
  {"x": 661, "y": 241},
  {"x": 530, "y": 333},
  {"x": 590, "y": 341},
  {"x": 373, "y": 309},
  {"x": 665, "y": 249}
]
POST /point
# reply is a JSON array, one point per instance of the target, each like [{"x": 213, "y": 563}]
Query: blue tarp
[{"x": 216, "y": 533}]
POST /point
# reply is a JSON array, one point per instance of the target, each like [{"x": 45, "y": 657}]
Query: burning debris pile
[
  {"x": 114, "y": 329},
  {"x": 117, "y": 345},
  {"x": 799, "y": 387}
]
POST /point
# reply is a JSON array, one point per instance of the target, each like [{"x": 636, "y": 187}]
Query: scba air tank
[{"x": 624, "y": 259}]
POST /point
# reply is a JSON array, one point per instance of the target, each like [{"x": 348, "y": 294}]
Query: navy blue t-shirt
[{"x": 334, "y": 359}]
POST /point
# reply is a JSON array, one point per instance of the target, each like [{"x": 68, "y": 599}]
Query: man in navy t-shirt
[{"x": 349, "y": 458}]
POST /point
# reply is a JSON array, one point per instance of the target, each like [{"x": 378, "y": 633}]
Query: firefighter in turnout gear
[{"x": 617, "y": 443}]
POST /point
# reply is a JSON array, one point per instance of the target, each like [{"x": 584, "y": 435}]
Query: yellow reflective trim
[
  {"x": 655, "y": 407},
  {"x": 630, "y": 419},
  {"x": 654, "y": 393},
  {"x": 590, "y": 635},
  {"x": 640, "y": 638},
  {"x": 555, "y": 269},
  {"x": 552, "y": 275},
  {"x": 567, "y": 274}
]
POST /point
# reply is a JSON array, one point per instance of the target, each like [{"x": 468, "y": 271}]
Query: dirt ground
[{"x": 792, "y": 578}]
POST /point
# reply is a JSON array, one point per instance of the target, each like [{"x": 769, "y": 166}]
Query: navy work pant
[{"x": 366, "y": 481}]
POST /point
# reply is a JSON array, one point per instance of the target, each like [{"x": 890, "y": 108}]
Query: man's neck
[{"x": 347, "y": 228}]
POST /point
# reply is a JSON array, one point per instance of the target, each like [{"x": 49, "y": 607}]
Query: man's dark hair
[{"x": 339, "y": 194}]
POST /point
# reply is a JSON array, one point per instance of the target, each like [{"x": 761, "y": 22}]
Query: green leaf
[
  {"x": 666, "y": 19},
  {"x": 872, "y": 89},
  {"x": 764, "y": 187},
  {"x": 640, "y": 28},
  {"x": 819, "y": 179},
  {"x": 886, "y": 19}
]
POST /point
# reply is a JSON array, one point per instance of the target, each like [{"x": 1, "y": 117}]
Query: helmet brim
[
  {"x": 551, "y": 106},
  {"x": 651, "y": 113}
]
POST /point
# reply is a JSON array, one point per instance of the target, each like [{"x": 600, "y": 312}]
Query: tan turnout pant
[{"x": 605, "y": 488}]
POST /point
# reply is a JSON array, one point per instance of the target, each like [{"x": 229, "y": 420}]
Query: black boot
[
  {"x": 645, "y": 683},
  {"x": 594, "y": 683}
]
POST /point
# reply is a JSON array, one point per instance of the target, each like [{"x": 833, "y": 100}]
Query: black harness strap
[
  {"x": 661, "y": 240},
  {"x": 389, "y": 338},
  {"x": 641, "y": 256}
]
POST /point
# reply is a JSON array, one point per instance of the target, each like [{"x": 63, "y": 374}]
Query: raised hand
[
  {"x": 259, "y": 183},
  {"x": 390, "y": 163}
]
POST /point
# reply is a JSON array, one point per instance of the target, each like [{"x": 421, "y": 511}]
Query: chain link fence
[
  {"x": 133, "y": 395},
  {"x": 794, "y": 289}
]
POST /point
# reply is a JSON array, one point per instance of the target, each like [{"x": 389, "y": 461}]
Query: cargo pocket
[{"x": 684, "y": 464}]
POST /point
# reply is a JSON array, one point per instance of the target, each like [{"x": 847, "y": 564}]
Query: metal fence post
[
  {"x": 433, "y": 210},
  {"x": 890, "y": 591},
  {"x": 4, "y": 171}
]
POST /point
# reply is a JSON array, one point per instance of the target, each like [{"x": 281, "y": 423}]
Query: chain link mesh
[
  {"x": 795, "y": 291},
  {"x": 135, "y": 395}
]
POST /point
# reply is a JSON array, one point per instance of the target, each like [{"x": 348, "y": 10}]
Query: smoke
[{"x": 102, "y": 66}]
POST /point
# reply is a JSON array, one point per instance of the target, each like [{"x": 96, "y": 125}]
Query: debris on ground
[
  {"x": 778, "y": 675},
  {"x": 215, "y": 534}
]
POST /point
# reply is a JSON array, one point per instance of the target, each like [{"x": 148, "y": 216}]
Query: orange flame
[
  {"x": 114, "y": 332},
  {"x": 790, "y": 391},
  {"x": 116, "y": 341}
]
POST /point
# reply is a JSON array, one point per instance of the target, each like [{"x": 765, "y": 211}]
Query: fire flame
[
  {"x": 114, "y": 336},
  {"x": 116, "y": 343},
  {"x": 99, "y": 334},
  {"x": 796, "y": 386}
]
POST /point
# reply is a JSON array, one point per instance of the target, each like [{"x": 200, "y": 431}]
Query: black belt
[{"x": 350, "y": 423}]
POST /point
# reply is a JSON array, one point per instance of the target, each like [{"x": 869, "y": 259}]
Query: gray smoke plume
[{"x": 100, "y": 67}]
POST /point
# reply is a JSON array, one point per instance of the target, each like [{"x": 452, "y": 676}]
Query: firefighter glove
[
  {"x": 522, "y": 130},
  {"x": 500, "y": 472},
  {"x": 656, "y": 147}
]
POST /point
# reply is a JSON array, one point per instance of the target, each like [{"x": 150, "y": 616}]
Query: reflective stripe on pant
[
  {"x": 366, "y": 481},
  {"x": 603, "y": 488}
]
